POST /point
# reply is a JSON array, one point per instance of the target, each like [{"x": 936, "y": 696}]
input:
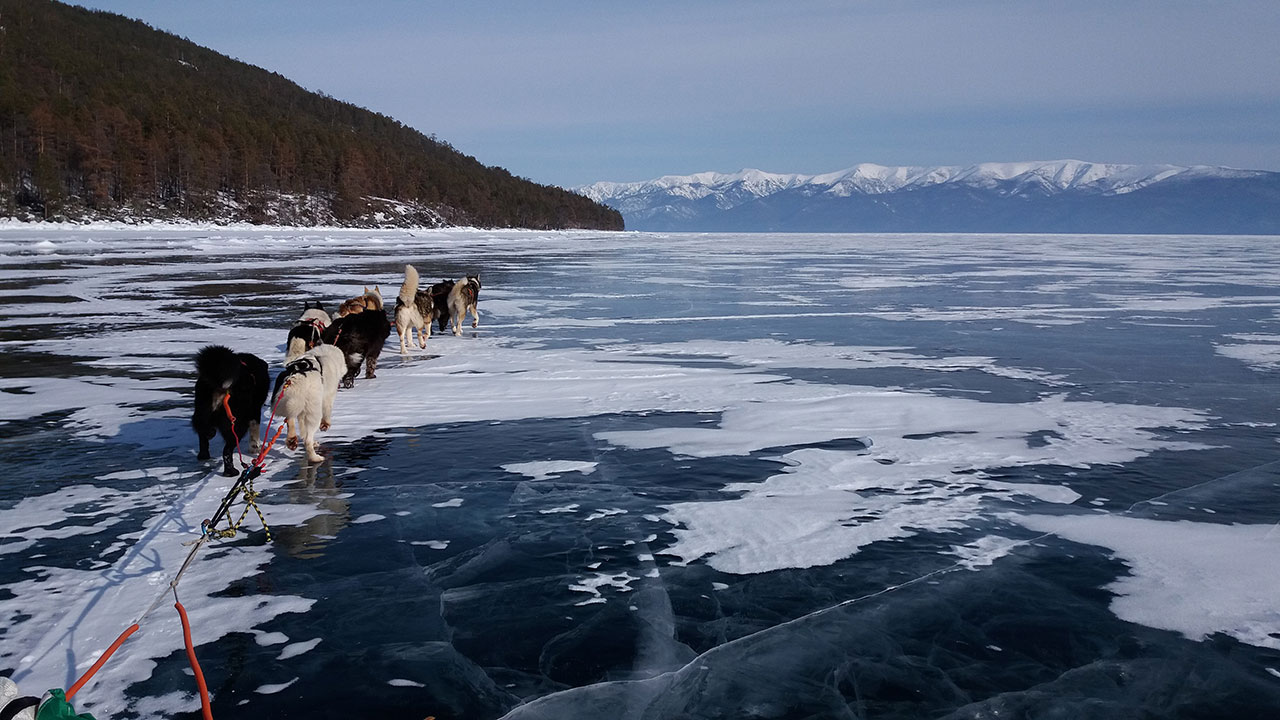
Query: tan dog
[{"x": 370, "y": 300}]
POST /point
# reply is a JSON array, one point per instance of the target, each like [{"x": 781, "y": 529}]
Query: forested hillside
[{"x": 105, "y": 117}]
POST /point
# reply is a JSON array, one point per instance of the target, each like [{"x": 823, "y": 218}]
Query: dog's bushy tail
[
  {"x": 409, "y": 288},
  {"x": 297, "y": 346},
  {"x": 218, "y": 366}
]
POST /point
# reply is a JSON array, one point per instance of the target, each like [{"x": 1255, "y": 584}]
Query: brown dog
[{"x": 370, "y": 300}]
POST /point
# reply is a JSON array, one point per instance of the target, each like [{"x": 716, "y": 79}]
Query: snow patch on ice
[
  {"x": 1189, "y": 577},
  {"x": 545, "y": 469},
  {"x": 765, "y": 353},
  {"x": 593, "y": 584},
  {"x": 274, "y": 688},
  {"x": 298, "y": 648},
  {"x": 1259, "y": 351},
  {"x": 30, "y": 397},
  {"x": 924, "y": 469},
  {"x": 270, "y": 638}
]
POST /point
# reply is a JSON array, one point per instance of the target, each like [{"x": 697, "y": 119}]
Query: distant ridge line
[{"x": 1031, "y": 196}]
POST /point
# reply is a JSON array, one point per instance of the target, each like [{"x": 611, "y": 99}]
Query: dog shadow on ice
[
  {"x": 411, "y": 359},
  {"x": 158, "y": 433}
]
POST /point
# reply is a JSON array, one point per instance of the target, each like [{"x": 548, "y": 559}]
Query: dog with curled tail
[
  {"x": 415, "y": 310},
  {"x": 464, "y": 298}
]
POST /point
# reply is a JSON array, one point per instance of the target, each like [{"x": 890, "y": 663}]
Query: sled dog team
[{"x": 321, "y": 354}]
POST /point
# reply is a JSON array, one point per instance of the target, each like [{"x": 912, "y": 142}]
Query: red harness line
[{"x": 265, "y": 444}]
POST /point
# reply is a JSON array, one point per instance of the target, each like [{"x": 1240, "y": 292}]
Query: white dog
[
  {"x": 414, "y": 310},
  {"x": 304, "y": 395},
  {"x": 464, "y": 298}
]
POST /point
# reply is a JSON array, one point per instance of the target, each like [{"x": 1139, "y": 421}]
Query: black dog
[
  {"x": 226, "y": 379},
  {"x": 440, "y": 302},
  {"x": 360, "y": 337}
]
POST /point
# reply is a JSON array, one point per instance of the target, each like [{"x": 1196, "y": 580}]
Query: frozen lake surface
[{"x": 669, "y": 476}]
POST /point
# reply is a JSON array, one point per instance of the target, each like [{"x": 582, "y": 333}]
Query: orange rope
[
  {"x": 195, "y": 664},
  {"x": 226, "y": 405},
  {"x": 101, "y": 661}
]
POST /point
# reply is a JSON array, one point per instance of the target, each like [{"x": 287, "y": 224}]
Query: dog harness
[
  {"x": 317, "y": 329},
  {"x": 302, "y": 366}
]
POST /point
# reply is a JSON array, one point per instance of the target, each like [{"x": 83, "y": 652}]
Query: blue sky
[{"x": 569, "y": 92}]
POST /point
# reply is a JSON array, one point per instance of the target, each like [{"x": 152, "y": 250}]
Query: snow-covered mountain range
[{"x": 1053, "y": 196}]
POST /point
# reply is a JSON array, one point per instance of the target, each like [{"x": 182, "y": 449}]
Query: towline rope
[
  {"x": 242, "y": 486},
  {"x": 205, "y": 708}
]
